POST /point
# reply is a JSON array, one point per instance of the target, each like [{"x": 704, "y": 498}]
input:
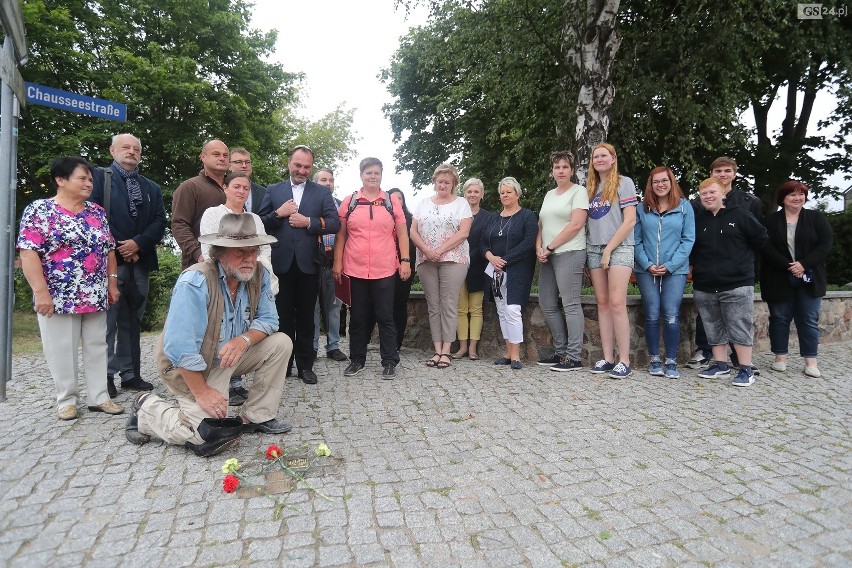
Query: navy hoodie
[{"x": 724, "y": 251}]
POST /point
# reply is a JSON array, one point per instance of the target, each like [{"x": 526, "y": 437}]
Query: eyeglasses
[
  {"x": 661, "y": 181},
  {"x": 241, "y": 162}
]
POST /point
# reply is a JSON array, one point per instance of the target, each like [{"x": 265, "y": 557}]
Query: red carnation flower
[
  {"x": 273, "y": 452},
  {"x": 230, "y": 483}
]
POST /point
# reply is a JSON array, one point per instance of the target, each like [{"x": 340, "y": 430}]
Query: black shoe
[
  {"x": 271, "y": 426},
  {"x": 502, "y": 361},
  {"x": 550, "y": 361},
  {"x": 131, "y": 428},
  {"x": 308, "y": 377},
  {"x": 111, "y": 387},
  {"x": 337, "y": 355},
  {"x": 235, "y": 397},
  {"x": 389, "y": 372},
  {"x": 137, "y": 384},
  {"x": 353, "y": 369}
]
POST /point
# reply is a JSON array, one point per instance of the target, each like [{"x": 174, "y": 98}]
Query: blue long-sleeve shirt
[{"x": 186, "y": 323}]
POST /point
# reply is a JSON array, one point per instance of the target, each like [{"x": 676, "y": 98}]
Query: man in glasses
[
  {"x": 241, "y": 162},
  {"x": 297, "y": 211}
]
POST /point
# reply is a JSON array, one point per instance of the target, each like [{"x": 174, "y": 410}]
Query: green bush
[
  {"x": 160, "y": 290},
  {"x": 839, "y": 260}
]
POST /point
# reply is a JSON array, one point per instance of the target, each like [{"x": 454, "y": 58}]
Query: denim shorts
[
  {"x": 728, "y": 316},
  {"x": 621, "y": 256}
]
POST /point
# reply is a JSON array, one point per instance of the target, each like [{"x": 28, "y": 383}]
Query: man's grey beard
[{"x": 237, "y": 275}]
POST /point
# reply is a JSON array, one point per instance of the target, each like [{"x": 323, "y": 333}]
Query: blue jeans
[
  {"x": 662, "y": 294},
  {"x": 804, "y": 310}
]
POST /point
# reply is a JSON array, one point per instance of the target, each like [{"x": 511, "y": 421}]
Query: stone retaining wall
[{"x": 835, "y": 325}]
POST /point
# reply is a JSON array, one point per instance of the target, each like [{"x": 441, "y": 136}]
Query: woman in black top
[
  {"x": 793, "y": 274},
  {"x": 508, "y": 243},
  {"x": 471, "y": 295}
]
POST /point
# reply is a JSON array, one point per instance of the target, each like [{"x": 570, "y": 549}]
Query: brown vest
[{"x": 215, "y": 309}]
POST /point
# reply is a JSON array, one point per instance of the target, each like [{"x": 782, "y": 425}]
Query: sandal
[
  {"x": 433, "y": 362},
  {"x": 443, "y": 364}
]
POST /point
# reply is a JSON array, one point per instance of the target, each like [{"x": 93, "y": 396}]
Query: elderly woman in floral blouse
[{"x": 68, "y": 258}]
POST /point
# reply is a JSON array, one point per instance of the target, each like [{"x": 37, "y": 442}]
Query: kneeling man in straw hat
[{"x": 222, "y": 322}]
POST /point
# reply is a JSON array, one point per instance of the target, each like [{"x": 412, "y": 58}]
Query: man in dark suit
[
  {"x": 137, "y": 220},
  {"x": 241, "y": 162},
  {"x": 296, "y": 212}
]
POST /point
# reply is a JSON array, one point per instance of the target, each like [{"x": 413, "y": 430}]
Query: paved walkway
[{"x": 469, "y": 466}]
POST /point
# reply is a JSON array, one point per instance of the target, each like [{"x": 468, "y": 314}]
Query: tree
[
  {"x": 331, "y": 137},
  {"x": 188, "y": 70},
  {"x": 590, "y": 46},
  {"x": 683, "y": 76}
]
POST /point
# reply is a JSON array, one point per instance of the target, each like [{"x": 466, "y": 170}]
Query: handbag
[{"x": 322, "y": 258}]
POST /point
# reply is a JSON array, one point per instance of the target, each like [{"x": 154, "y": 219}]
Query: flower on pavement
[
  {"x": 230, "y": 466},
  {"x": 323, "y": 450},
  {"x": 230, "y": 483},
  {"x": 273, "y": 452}
]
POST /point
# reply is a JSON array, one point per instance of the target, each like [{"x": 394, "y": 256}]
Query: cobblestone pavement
[{"x": 470, "y": 466}]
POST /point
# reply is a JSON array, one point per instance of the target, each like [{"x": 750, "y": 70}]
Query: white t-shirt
[{"x": 437, "y": 223}]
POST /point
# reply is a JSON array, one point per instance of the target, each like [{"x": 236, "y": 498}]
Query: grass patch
[{"x": 26, "y": 339}]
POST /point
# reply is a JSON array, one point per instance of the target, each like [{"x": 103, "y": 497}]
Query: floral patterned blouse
[
  {"x": 437, "y": 223},
  {"x": 73, "y": 249}
]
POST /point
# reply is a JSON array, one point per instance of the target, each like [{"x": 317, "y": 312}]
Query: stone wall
[{"x": 835, "y": 325}]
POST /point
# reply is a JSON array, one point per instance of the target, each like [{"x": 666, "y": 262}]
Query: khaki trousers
[
  {"x": 176, "y": 421},
  {"x": 62, "y": 335}
]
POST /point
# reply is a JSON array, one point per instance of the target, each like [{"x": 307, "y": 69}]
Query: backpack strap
[{"x": 353, "y": 203}]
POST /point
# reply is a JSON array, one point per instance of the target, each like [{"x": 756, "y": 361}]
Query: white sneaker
[
  {"x": 698, "y": 361},
  {"x": 779, "y": 366},
  {"x": 812, "y": 371}
]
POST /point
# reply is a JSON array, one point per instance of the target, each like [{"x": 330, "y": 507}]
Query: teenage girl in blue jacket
[{"x": 664, "y": 235}]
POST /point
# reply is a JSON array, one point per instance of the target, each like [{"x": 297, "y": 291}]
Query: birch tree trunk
[{"x": 590, "y": 44}]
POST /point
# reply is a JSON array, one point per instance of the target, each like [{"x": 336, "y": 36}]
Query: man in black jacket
[
  {"x": 724, "y": 171},
  {"x": 137, "y": 220},
  {"x": 726, "y": 240}
]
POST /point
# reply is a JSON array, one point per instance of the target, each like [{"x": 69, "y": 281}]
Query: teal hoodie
[{"x": 665, "y": 239}]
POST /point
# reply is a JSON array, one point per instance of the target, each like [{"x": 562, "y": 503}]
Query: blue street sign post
[{"x": 48, "y": 96}]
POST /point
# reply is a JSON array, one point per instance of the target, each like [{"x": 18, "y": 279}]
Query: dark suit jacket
[
  {"x": 812, "y": 244},
  {"x": 257, "y": 194},
  {"x": 150, "y": 224},
  {"x": 299, "y": 244}
]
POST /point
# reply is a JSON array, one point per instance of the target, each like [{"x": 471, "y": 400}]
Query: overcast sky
[{"x": 341, "y": 46}]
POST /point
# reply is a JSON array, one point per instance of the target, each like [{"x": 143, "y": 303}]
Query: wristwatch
[
  {"x": 550, "y": 249},
  {"x": 405, "y": 260}
]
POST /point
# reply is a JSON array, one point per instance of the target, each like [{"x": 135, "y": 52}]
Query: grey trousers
[{"x": 562, "y": 277}]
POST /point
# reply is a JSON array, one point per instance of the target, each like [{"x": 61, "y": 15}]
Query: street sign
[{"x": 47, "y": 96}]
